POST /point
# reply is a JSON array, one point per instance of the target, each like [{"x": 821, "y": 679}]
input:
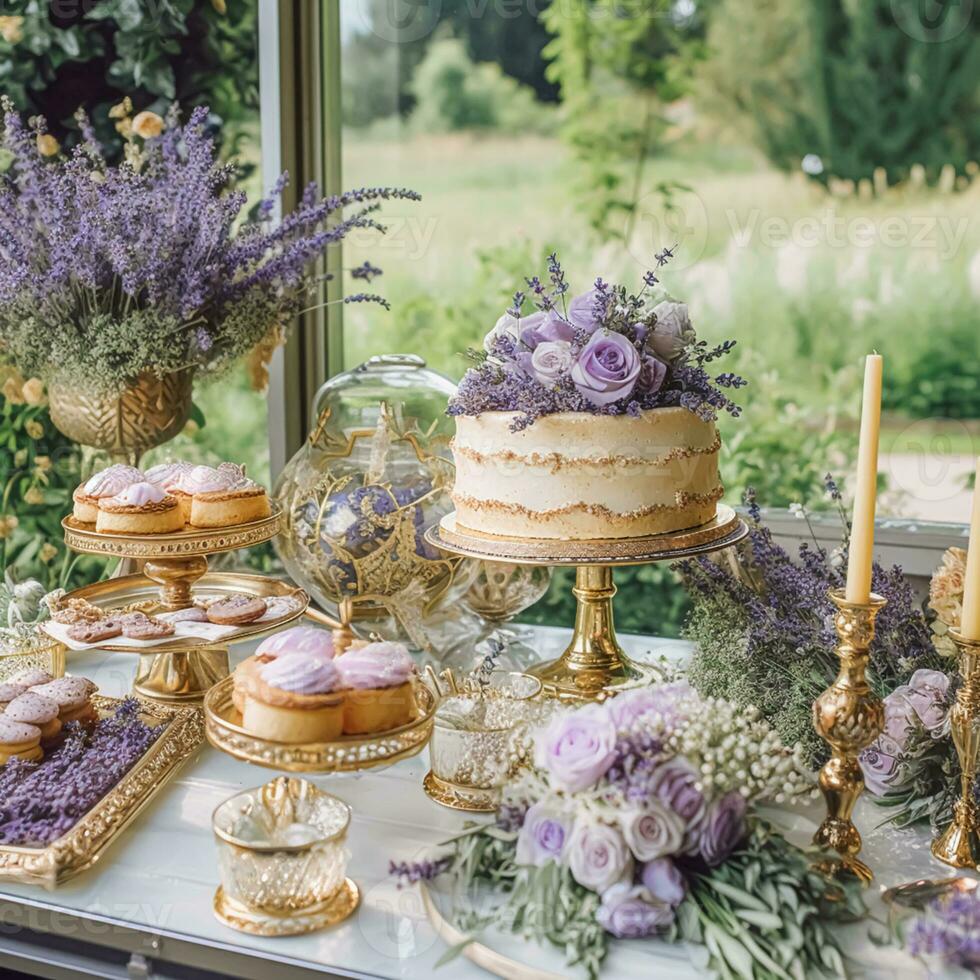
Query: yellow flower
[
  {"x": 12, "y": 391},
  {"x": 946, "y": 587},
  {"x": 125, "y": 127},
  {"x": 47, "y": 552},
  {"x": 148, "y": 125},
  {"x": 47, "y": 145},
  {"x": 220, "y": 6},
  {"x": 34, "y": 496},
  {"x": 5, "y": 527},
  {"x": 43, "y": 463},
  {"x": 11, "y": 29},
  {"x": 34, "y": 428},
  {"x": 122, "y": 109},
  {"x": 33, "y": 391},
  {"x": 190, "y": 427},
  {"x": 20, "y": 458}
]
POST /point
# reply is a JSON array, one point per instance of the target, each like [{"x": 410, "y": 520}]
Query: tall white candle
[
  {"x": 863, "y": 521},
  {"x": 970, "y": 620}
]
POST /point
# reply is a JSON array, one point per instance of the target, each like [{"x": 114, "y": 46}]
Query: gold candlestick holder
[
  {"x": 849, "y": 716},
  {"x": 960, "y": 844}
]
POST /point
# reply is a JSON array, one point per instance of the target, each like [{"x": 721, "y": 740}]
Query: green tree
[{"x": 853, "y": 86}]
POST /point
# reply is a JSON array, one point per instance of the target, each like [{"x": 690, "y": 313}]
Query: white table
[{"x": 145, "y": 909}]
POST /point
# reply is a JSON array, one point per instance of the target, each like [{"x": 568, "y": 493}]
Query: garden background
[{"x": 814, "y": 160}]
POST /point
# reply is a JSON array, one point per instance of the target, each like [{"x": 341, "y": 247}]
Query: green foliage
[
  {"x": 861, "y": 85},
  {"x": 189, "y": 51},
  {"x": 452, "y": 93}
]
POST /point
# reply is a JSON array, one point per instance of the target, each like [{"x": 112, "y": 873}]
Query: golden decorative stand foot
[
  {"x": 849, "y": 717},
  {"x": 594, "y": 665},
  {"x": 471, "y": 799},
  {"x": 960, "y": 844},
  {"x": 341, "y": 905},
  {"x": 184, "y": 676}
]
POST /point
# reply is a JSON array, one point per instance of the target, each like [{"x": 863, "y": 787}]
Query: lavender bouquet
[
  {"x": 107, "y": 272},
  {"x": 637, "y": 820},
  {"x": 607, "y": 351}
]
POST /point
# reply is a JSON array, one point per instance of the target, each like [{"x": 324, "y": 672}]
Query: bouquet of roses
[
  {"x": 636, "y": 819},
  {"x": 608, "y": 352}
]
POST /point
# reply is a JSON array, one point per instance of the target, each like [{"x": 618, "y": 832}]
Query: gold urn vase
[{"x": 146, "y": 414}]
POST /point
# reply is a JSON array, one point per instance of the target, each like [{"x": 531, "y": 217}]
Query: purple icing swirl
[
  {"x": 376, "y": 665},
  {"x": 300, "y": 639},
  {"x": 301, "y": 674},
  {"x": 139, "y": 494},
  {"x": 113, "y": 480}
]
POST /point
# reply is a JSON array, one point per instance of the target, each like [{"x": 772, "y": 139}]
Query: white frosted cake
[{"x": 579, "y": 476}]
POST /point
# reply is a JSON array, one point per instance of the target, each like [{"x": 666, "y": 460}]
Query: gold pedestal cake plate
[
  {"x": 594, "y": 665},
  {"x": 175, "y": 566}
]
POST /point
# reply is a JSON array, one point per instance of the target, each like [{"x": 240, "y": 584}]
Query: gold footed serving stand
[
  {"x": 594, "y": 665},
  {"x": 849, "y": 716},
  {"x": 185, "y": 668},
  {"x": 960, "y": 844}
]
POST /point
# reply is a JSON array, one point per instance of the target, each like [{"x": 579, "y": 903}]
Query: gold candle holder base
[
  {"x": 959, "y": 846},
  {"x": 594, "y": 665},
  {"x": 849, "y": 716},
  {"x": 340, "y": 906}
]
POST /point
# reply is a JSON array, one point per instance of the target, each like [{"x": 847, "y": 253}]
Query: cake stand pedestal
[
  {"x": 184, "y": 668},
  {"x": 594, "y": 665}
]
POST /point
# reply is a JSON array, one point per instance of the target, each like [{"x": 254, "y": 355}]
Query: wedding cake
[{"x": 592, "y": 419}]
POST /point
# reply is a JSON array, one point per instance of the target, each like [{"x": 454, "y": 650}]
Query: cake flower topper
[{"x": 607, "y": 352}]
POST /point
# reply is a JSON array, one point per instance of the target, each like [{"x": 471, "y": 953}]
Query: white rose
[
  {"x": 672, "y": 332},
  {"x": 506, "y": 325},
  {"x": 652, "y": 832},
  {"x": 550, "y": 360},
  {"x": 598, "y": 856}
]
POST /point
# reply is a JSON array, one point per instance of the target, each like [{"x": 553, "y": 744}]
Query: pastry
[
  {"x": 73, "y": 696},
  {"x": 238, "y": 504},
  {"x": 293, "y": 698},
  {"x": 71, "y": 611},
  {"x": 19, "y": 741},
  {"x": 101, "y": 629},
  {"x": 139, "y": 626},
  {"x": 141, "y": 508},
  {"x": 10, "y": 691},
  {"x": 30, "y": 677},
  {"x": 379, "y": 688},
  {"x": 105, "y": 483},
  {"x": 167, "y": 476},
  {"x": 35, "y": 709},
  {"x": 198, "y": 479},
  {"x": 236, "y": 610},
  {"x": 299, "y": 639}
]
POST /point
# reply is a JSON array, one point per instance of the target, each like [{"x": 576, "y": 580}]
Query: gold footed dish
[
  {"x": 959, "y": 846},
  {"x": 340, "y": 906},
  {"x": 594, "y": 665},
  {"x": 349, "y": 753},
  {"x": 849, "y": 716},
  {"x": 470, "y": 799},
  {"x": 179, "y": 677}
]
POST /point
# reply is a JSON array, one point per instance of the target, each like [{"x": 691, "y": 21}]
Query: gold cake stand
[
  {"x": 594, "y": 665},
  {"x": 174, "y": 565}
]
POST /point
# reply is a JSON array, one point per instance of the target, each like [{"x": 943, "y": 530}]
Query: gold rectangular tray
[{"x": 82, "y": 846}]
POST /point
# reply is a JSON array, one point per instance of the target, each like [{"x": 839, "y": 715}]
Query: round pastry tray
[
  {"x": 180, "y": 544},
  {"x": 350, "y": 753},
  {"x": 726, "y": 529},
  {"x": 140, "y": 592}
]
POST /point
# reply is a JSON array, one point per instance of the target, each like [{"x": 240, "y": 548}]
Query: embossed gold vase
[
  {"x": 148, "y": 413},
  {"x": 849, "y": 716}
]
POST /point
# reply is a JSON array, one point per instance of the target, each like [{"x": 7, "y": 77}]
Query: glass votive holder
[
  {"x": 474, "y": 744},
  {"x": 282, "y": 859},
  {"x": 31, "y": 650}
]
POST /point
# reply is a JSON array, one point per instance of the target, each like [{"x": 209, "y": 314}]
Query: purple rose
[
  {"x": 664, "y": 881},
  {"x": 598, "y": 856},
  {"x": 652, "y": 832},
  {"x": 927, "y": 693},
  {"x": 542, "y": 836},
  {"x": 627, "y": 912},
  {"x": 672, "y": 332},
  {"x": 675, "y": 785},
  {"x": 881, "y": 770},
  {"x": 723, "y": 828},
  {"x": 540, "y": 328},
  {"x": 901, "y": 719},
  {"x": 577, "y": 747},
  {"x": 652, "y": 374},
  {"x": 628, "y": 708},
  {"x": 606, "y": 368},
  {"x": 581, "y": 312},
  {"x": 548, "y": 361}
]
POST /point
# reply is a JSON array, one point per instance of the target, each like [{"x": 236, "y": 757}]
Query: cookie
[
  {"x": 282, "y": 605},
  {"x": 30, "y": 677},
  {"x": 74, "y": 611},
  {"x": 10, "y": 690},
  {"x": 35, "y": 709},
  {"x": 137, "y": 626},
  {"x": 192, "y": 614},
  {"x": 69, "y": 692},
  {"x": 103, "y": 629},
  {"x": 237, "y": 610}
]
